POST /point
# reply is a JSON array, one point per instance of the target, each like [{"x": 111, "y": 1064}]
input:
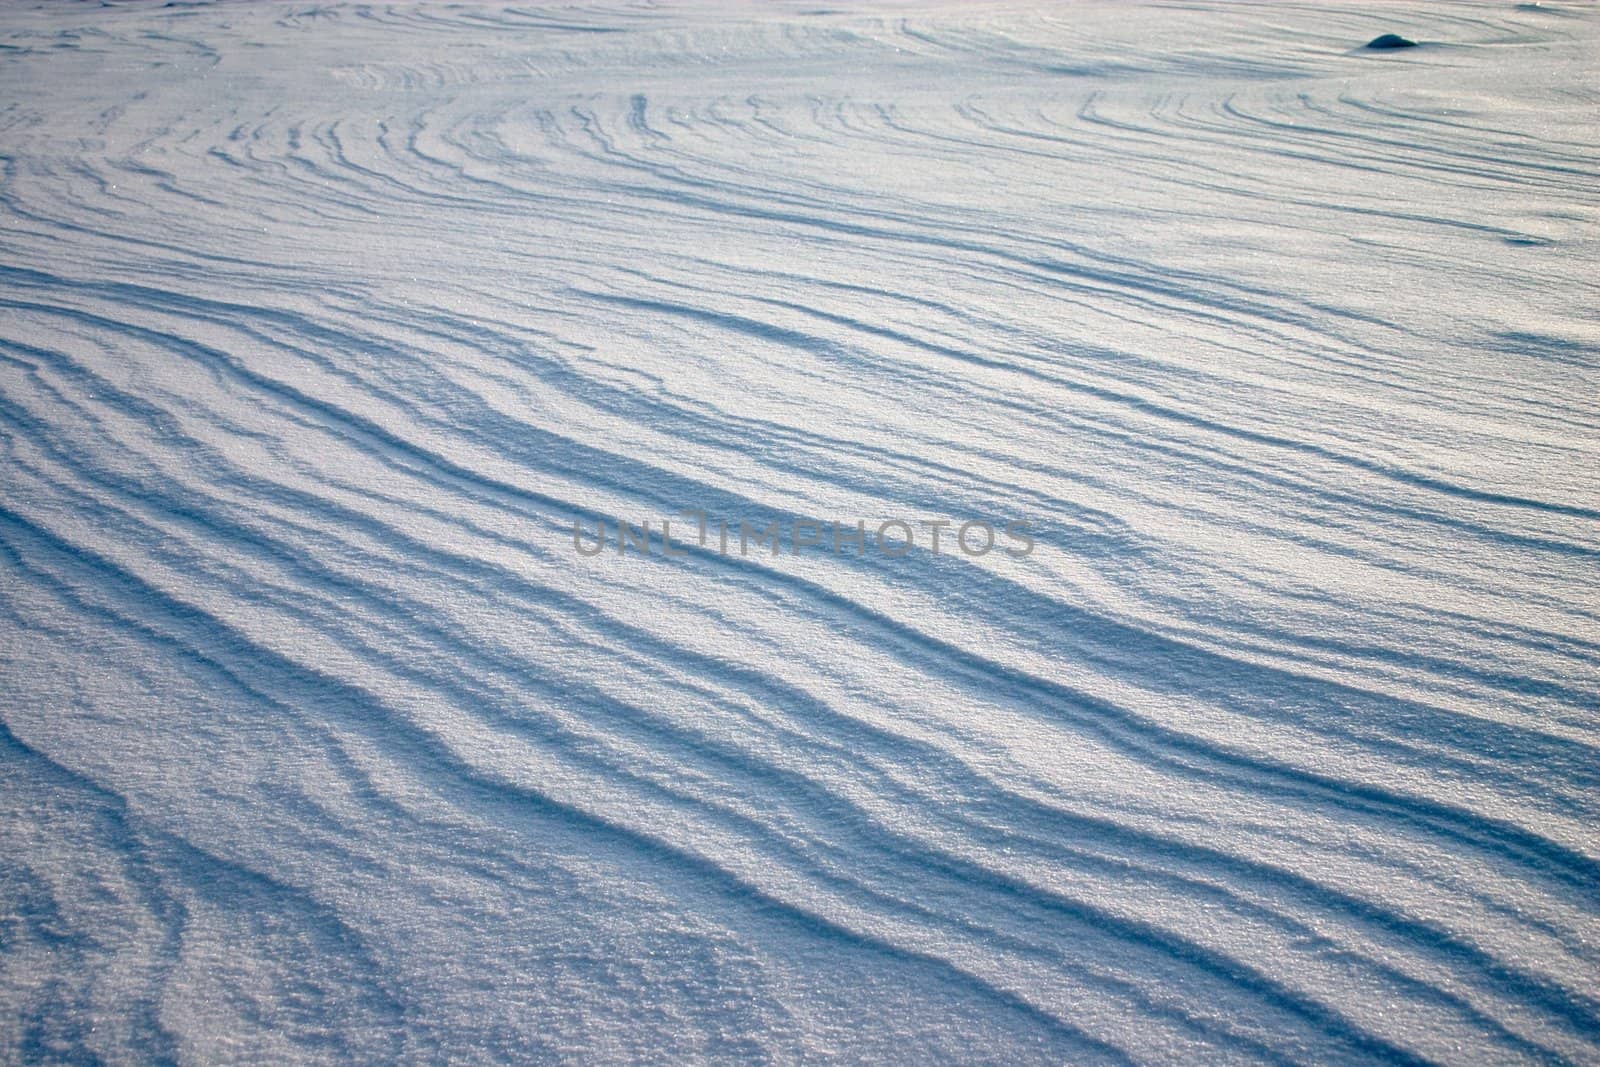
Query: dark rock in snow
[{"x": 1391, "y": 40}]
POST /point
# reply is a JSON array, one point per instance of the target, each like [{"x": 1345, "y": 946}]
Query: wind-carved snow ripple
[{"x": 322, "y": 325}]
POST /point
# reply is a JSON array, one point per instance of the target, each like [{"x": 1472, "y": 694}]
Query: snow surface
[{"x": 321, "y": 324}]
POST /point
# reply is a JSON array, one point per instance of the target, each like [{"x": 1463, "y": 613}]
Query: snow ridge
[{"x": 321, "y": 325}]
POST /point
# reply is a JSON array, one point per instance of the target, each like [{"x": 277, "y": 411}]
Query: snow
[{"x": 321, "y": 326}]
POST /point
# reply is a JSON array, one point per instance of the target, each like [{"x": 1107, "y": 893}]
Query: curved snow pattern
[{"x": 323, "y": 323}]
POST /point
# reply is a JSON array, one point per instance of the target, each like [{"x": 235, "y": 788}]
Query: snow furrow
[{"x": 331, "y": 334}]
